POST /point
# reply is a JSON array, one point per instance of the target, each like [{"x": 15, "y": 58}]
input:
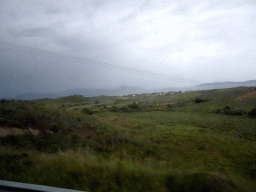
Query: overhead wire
[{"x": 7, "y": 45}]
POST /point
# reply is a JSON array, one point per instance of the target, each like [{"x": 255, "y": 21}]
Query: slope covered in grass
[{"x": 146, "y": 142}]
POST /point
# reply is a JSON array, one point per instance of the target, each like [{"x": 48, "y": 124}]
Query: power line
[{"x": 7, "y": 45}]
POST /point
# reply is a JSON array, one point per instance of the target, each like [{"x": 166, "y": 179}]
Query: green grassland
[{"x": 192, "y": 141}]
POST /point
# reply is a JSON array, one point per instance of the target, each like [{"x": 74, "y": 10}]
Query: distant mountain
[
  {"x": 31, "y": 96},
  {"x": 226, "y": 84},
  {"x": 123, "y": 90}
]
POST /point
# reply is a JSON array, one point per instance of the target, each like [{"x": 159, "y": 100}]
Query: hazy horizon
[{"x": 107, "y": 44}]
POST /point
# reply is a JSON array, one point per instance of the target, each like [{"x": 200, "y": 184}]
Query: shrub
[
  {"x": 87, "y": 111},
  {"x": 133, "y": 106},
  {"x": 216, "y": 111},
  {"x": 30, "y": 121},
  {"x": 227, "y": 110},
  {"x": 114, "y": 109},
  {"x": 48, "y": 144},
  {"x": 197, "y": 100},
  {"x": 74, "y": 138},
  {"x": 252, "y": 113},
  {"x": 11, "y": 140},
  {"x": 237, "y": 112},
  {"x": 13, "y": 123},
  {"x": 55, "y": 128},
  {"x": 2, "y": 101},
  {"x": 3, "y": 121},
  {"x": 227, "y": 107},
  {"x": 124, "y": 108}
]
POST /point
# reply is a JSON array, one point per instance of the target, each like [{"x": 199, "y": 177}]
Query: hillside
[
  {"x": 226, "y": 84},
  {"x": 123, "y": 90},
  {"x": 194, "y": 141}
]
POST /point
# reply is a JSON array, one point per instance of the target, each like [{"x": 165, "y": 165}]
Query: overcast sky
[{"x": 163, "y": 43}]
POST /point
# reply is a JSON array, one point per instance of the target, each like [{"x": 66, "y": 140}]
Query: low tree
[
  {"x": 87, "y": 111},
  {"x": 134, "y": 106},
  {"x": 252, "y": 113},
  {"x": 227, "y": 110}
]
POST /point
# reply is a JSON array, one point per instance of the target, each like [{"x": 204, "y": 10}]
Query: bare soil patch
[{"x": 247, "y": 95}]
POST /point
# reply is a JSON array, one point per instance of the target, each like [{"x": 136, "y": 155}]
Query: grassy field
[{"x": 193, "y": 141}]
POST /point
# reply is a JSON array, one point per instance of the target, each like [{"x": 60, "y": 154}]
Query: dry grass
[
  {"x": 16, "y": 131},
  {"x": 247, "y": 95}
]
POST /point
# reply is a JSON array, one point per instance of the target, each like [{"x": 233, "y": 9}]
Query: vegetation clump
[
  {"x": 198, "y": 100},
  {"x": 87, "y": 111},
  {"x": 55, "y": 128},
  {"x": 134, "y": 105},
  {"x": 252, "y": 113},
  {"x": 114, "y": 109},
  {"x": 2, "y": 101},
  {"x": 216, "y": 111},
  {"x": 228, "y": 111}
]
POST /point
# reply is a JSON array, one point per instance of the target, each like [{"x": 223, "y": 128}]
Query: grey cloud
[
  {"x": 98, "y": 3},
  {"x": 145, "y": 4},
  {"x": 127, "y": 34},
  {"x": 136, "y": 10},
  {"x": 53, "y": 10},
  {"x": 180, "y": 9},
  {"x": 30, "y": 32},
  {"x": 128, "y": 17}
]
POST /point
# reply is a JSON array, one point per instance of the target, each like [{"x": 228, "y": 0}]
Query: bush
[
  {"x": 130, "y": 108},
  {"x": 216, "y": 111},
  {"x": 237, "y": 112},
  {"x": 87, "y": 111},
  {"x": 3, "y": 121},
  {"x": 114, "y": 109},
  {"x": 197, "y": 100},
  {"x": 55, "y": 128},
  {"x": 124, "y": 108},
  {"x": 133, "y": 106},
  {"x": 169, "y": 105},
  {"x": 48, "y": 144},
  {"x": 252, "y": 113},
  {"x": 227, "y": 110},
  {"x": 11, "y": 140}
]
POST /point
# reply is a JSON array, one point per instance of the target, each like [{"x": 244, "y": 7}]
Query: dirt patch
[
  {"x": 16, "y": 131},
  {"x": 247, "y": 95}
]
